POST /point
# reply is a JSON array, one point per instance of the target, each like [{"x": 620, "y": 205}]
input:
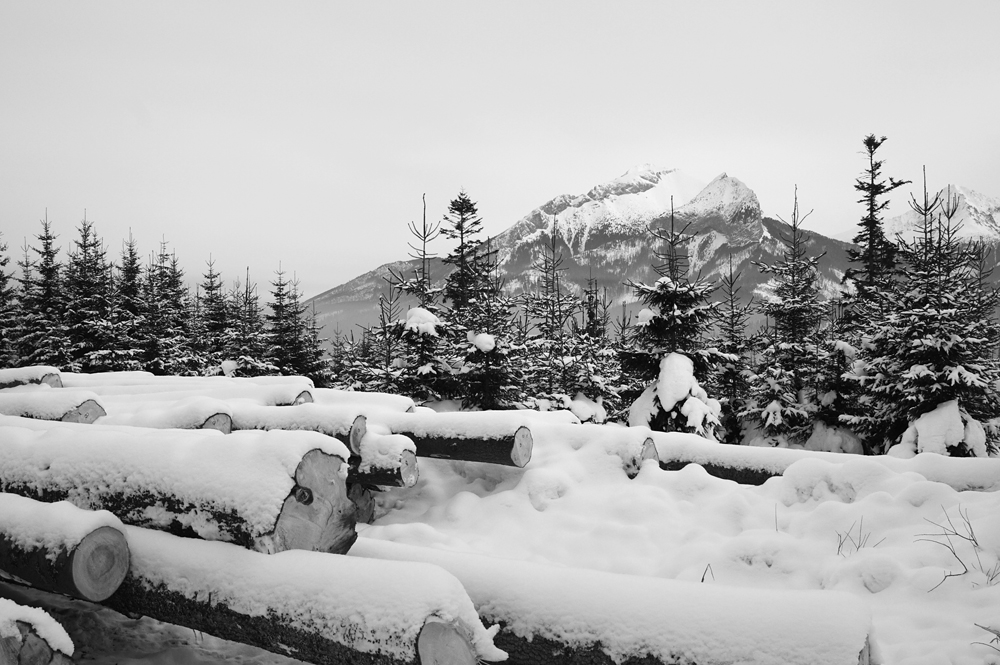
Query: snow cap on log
[
  {"x": 183, "y": 413},
  {"x": 38, "y": 374},
  {"x": 215, "y": 486},
  {"x": 60, "y": 548},
  {"x": 44, "y": 403},
  {"x": 380, "y": 401},
  {"x": 35, "y": 622},
  {"x": 176, "y": 388},
  {"x": 370, "y": 607}
]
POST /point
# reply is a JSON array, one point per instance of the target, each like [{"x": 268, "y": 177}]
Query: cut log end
[
  {"x": 444, "y": 643},
  {"x": 321, "y": 518},
  {"x": 520, "y": 452},
  {"x": 303, "y": 397},
  {"x": 52, "y": 379},
  {"x": 408, "y": 471},
  {"x": 86, "y": 413},
  {"x": 358, "y": 430},
  {"x": 220, "y": 421},
  {"x": 99, "y": 564},
  {"x": 649, "y": 451}
]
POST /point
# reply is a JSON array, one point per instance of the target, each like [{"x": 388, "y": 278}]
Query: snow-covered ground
[{"x": 921, "y": 555}]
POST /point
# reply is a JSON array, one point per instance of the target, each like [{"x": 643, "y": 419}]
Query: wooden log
[
  {"x": 29, "y": 636},
  {"x": 167, "y": 411},
  {"x": 363, "y": 498},
  {"x": 333, "y": 421},
  {"x": 364, "y": 614},
  {"x": 492, "y": 437},
  {"x": 174, "y": 389},
  {"x": 359, "y": 427},
  {"x": 71, "y": 406},
  {"x": 222, "y": 422},
  {"x": 554, "y": 614},
  {"x": 268, "y": 491},
  {"x": 62, "y": 549},
  {"x": 20, "y": 376},
  {"x": 402, "y": 473}
]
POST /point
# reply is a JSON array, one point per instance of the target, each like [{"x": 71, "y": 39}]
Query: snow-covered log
[
  {"x": 163, "y": 412},
  {"x": 312, "y": 606},
  {"x": 71, "y": 406},
  {"x": 496, "y": 437},
  {"x": 29, "y": 636},
  {"x": 344, "y": 422},
  {"x": 142, "y": 387},
  {"x": 60, "y": 548},
  {"x": 269, "y": 491},
  {"x": 38, "y": 374},
  {"x": 565, "y": 615},
  {"x": 384, "y": 460},
  {"x": 363, "y": 400},
  {"x": 752, "y": 465},
  {"x": 632, "y": 445}
]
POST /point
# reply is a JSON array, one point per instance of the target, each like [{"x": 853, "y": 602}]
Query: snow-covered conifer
[
  {"x": 783, "y": 389},
  {"x": 41, "y": 333},
  {"x": 8, "y": 310},
  {"x": 87, "y": 287},
  {"x": 730, "y": 381}
]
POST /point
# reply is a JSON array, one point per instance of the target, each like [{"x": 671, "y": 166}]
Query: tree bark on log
[
  {"x": 363, "y": 498},
  {"x": 506, "y": 449},
  {"x": 92, "y": 570},
  {"x": 27, "y": 648},
  {"x": 143, "y": 477},
  {"x": 741, "y": 475}
]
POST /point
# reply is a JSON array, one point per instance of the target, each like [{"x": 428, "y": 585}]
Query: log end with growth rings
[
  {"x": 98, "y": 565},
  {"x": 86, "y": 413},
  {"x": 444, "y": 643},
  {"x": 51, "y": 379},
  {"x": 317, "y": 515},
  {"x": 220, "y": 421},
  {"x": 520, "y": 452},
  {"x": 358, "y": 430},
  {"x": 303, "y": 397}
]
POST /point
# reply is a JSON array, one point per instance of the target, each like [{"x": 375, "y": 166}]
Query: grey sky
[{"x": 305, "y": 132}]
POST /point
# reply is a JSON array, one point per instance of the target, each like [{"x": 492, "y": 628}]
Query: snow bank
[
  {"x": 630, "y": 617},
  {"x": 32, "y": 525},
  {"x": 247, "y": 474},
  {"x": 47, "y": 628},
  {"x": 367, "y": 605},
  {"x": 44, "y": 404},
  {"x": 37, "y": 374}
]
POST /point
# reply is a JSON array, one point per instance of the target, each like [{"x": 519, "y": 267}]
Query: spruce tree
[
  {"x": 676, "y": 318},
  {"x": 246, "y": 339},
  {"x": 876, "y": 256},
  {"x": 730, "y": 382},
  {"x": 87, "y": 285},
  {"x": 783, "y": 391},
  {"x": 41, "y": 333},
  {"x": 214, "y": 317},
  {"x": 8, "y": 310},
  {"x": 127, "y": 314},
  {"x": 167, "y": 347},
  {"x": 935, "y": 343},
  {"x": 285, "y": 329},
  {"x": 462, "y": 224}
]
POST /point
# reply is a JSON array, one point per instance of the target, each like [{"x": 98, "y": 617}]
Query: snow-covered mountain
[
  {"x": 978, "y": 214},
  {"x": 604, "y": 234}
]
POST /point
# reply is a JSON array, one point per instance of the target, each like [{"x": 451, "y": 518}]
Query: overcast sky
[{"x": 304, "y": 133}]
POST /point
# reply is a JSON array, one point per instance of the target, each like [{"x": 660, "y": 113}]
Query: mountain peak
[
  {"x": 727, "y": 197},
  {"x": 978, "y": 214}
]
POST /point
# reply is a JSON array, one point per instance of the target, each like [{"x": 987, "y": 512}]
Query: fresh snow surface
[
  {"x": 831, "y": 523},
  {"x": 329, "y": 419},
  {"x": 185, "y": 413},
  {"x": 47, "y": 628},
  {"x": 250, "y": 473},
  {"x": 422, "y": 322},
  {"x": 43, "y": 401},
  {"x": 367, "y": 605},
  {"x": 630, "y": 615},
  {"x": 34, "y": 374},
  {"x": 53, "y": 527}
]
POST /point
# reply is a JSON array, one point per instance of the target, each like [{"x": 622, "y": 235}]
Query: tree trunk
[
  {"x": 251, "y": 490},
  {"x": 21, "y": 376},
  {"x": 92, "y": 570},
  {"x": 402, "y": 472},
  {"x": 71, "y": 406}
]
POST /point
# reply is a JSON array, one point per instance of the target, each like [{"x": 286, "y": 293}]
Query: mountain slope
[
  {"x": 603, "y": 234},
  {"x": 978, "y": 214}
]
